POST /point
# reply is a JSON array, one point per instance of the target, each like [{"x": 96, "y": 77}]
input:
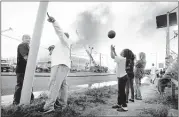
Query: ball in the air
[{"x": 111, "y": 34}]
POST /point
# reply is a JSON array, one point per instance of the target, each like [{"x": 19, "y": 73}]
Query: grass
[
  {"x": 160, "y": 112},
  {"x": 78, "y": 103},
  {"x": 165, "y": 100}
]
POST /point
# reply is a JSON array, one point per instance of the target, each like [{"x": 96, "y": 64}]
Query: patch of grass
[
  {"x": 22, "y": 110},
  {"x": 161, "y": 112},
  {"x": 77, "y": 104},
  {"x": 165, "y": 100},
  {"x": 99, "y": 95}
]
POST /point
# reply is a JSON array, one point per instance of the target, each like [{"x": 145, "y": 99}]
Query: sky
[{"x": 133, "y": 22}]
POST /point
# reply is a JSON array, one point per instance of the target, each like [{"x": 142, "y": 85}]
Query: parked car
[
  {"x": 13, "y": 67},
  {"x": 42, "y": 68},
  {"x": 5, "y": 66}
]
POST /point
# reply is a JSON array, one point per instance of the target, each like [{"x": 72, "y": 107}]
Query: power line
[
  {"x": 18, "y": 40},
  {"x": 173, "y": 9},
  {"x": 10, "y": 29},
  {"x": 45, "y": 47},
  {"x": 11, "y": 37}
]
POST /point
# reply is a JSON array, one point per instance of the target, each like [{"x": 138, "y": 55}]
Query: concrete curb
[{"x": 8, "y": 99}]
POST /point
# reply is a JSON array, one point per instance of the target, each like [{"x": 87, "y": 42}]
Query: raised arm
[
  {"x": 113, "y": 52},
  {"x": 58, "y": 30},
  {"x": 63, "y": 38}
]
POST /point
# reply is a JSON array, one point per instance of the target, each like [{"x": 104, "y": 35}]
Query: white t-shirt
[
  {"x": 61, "y": 52},
  {"x": 153, "y": 69},
  {"x": 120, "y": 66}
]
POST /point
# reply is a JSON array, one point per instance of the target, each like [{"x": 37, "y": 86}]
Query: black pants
[
  {"x": 121, "y": 90},
  {"x": 130, "y": 84},
  {"x": 18, "y": 88}
]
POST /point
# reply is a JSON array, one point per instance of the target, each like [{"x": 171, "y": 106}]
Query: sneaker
[
  {"x": 47, "y": 111},
  {"x": 124, "y": 107},
  {"x": 15, "y": 103},
  {"x": 116, "y": 106},
  {"x": 59, "y": 106},
  {"x": 56, "y": 105},
  {"x": 132, "y": 100},
  {"x": 138, "y": 98}
]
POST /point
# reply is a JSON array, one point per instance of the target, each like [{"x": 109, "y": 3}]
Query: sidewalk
[
  {"x": 134, "y": 108},
  {"x": 8, "y": 99}
]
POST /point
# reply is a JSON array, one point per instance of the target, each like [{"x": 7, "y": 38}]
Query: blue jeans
[{"x": 137, "y": 88}]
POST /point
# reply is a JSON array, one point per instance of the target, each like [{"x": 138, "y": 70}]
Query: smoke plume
[{"x": 93, "y": 24}]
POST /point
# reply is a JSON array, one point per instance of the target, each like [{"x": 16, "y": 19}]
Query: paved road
[
  {"x": 41, "y": 83},
  {"x": 48, "y": 74}
]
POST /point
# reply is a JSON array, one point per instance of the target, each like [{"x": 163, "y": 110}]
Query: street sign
[{"x": 161, "y": 20}]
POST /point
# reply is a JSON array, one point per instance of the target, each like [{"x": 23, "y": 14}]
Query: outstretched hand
[
  {"x": 112, "y": 47},
  {"x": 51, "y": 19}
]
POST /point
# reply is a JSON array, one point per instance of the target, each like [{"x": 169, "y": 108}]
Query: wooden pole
[{"x": 32, "y": 57}]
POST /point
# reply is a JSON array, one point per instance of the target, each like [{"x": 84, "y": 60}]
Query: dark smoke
[{"x": 89, "y": 24}]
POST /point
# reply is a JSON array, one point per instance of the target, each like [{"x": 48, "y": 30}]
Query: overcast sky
[{"x": 134, "y": 24}]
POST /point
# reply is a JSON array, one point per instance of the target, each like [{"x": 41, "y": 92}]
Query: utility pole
[
  {"x": 70, "y": 56},
  {"x": 100, "y": 62},
  {"x": 100, "y": 59},
  {"x": 167, "y": 42},
  {"x": 32, "y": 57},
  {"x": 168, "y": 57},
  {"x": 79, "y": 63},
  {"x": 156, "y": 60}
]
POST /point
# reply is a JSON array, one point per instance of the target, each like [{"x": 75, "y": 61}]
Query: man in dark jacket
[{"x": 22, "y": 56}]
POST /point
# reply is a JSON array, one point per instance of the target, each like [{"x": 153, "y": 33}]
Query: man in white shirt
[
  {"x": 153, "y": 73},
  {"x": 122, "y": 79},
  {"x": 60, "y": 67}
]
